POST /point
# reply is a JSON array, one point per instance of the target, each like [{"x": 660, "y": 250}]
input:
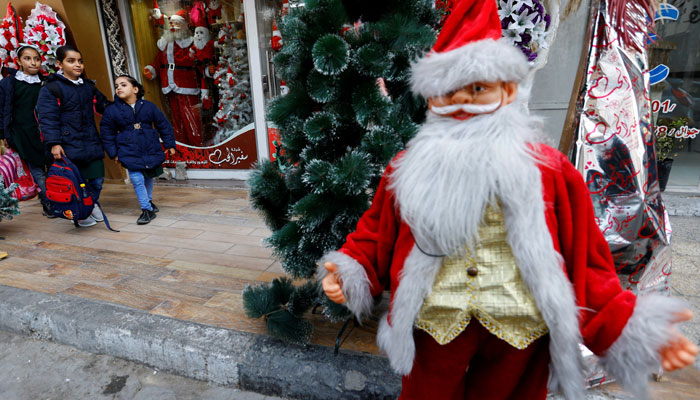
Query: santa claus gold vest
[{"x": 487, "y": 285}]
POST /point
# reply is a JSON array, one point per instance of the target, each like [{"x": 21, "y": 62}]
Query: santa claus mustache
[{"x": 468, "y": 108}]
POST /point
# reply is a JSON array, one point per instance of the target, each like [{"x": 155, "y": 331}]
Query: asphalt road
[{"x": 38, "y": 370}]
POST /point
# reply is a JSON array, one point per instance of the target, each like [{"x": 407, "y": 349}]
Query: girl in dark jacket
[
  {"x": 66, "y": 109},
  {"x": 19, "y": 131},
  {"x": 131, "y": 129}
]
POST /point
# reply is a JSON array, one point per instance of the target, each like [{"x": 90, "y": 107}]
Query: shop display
[
  {"x": 201, "y": 66},
  {"x": 45, "y": 30},
  {"x": 10, "y": 37}
]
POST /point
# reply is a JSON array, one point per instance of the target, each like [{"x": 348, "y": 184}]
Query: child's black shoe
[
  {"x": 146, "y": 217},
  {"x": 46, "y": 211},
  {"x": 154, "y": 207}
]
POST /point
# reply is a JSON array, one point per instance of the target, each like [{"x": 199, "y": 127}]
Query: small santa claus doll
[
  {"x": 213, "y": 11},
  {"x": 488, "y": 241},
  {"x": 157, "y": 18},
  {"x": 179, "y": 79},
  {"x": 202, "y": 51}
]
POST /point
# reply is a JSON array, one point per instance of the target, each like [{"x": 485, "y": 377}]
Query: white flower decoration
[
  {"x": 512, "y": 36},
  {"x": 507, "y": 8},
  {"x": 521, "y": 22}
]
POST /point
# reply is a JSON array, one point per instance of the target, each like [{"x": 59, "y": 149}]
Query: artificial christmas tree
[
  {"x": 232, "y": 77},
  {"x": 339, "y": 128},
  {"x": 9, "y": 205}
]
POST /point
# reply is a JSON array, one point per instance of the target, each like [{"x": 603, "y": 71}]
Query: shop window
[
  {"x": 675, "y": 88},
  {"x": 194, "y": 65}
]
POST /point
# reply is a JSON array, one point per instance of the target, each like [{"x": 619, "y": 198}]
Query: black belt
[{"x": 174, "y": 66}]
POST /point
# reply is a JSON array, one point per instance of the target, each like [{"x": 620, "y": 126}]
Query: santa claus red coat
[{"x": 176, "y": 68}]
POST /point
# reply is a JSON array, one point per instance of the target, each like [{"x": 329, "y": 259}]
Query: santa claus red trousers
[
  {"x": 476, "y": 365},
  {"x": 187, "y": 118}
]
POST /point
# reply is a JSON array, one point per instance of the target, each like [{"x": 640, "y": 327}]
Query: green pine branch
[{"x": 338, "y": 132}]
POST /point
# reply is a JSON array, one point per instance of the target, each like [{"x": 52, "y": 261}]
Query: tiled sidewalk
[{"x": 192, "y": 262}]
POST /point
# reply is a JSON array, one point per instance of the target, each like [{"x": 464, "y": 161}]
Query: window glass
[
  {"x": 194, "y": 61},
  {"x": 675, "y": 88}
]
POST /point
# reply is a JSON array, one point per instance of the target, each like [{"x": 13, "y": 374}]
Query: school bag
[
  {"x": 68, "y": 194},
  {"x": 13, "y": 170}
]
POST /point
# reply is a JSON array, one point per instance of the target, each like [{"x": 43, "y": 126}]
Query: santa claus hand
[
  {"x": 332, "y": 284},
  {"x": 147, "y": 74},
  {"x": 679, "y": 352}
]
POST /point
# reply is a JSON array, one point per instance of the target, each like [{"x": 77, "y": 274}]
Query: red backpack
[{"x": 13, "y": 170}]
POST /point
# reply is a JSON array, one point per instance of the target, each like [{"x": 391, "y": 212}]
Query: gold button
[{"x": 472, "y": 271}]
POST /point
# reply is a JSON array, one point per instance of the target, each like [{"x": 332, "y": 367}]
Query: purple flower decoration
[{"x": 525, "y": 23}]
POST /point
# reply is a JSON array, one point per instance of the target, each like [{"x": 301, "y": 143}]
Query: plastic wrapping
[{"x": 614, "y": 150}]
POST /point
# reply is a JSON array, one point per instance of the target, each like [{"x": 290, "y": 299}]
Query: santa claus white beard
[
  {"x": 200, "y": 43},
  {"x": 453, "y": 169},
  {"x": 171, "y": 36}
]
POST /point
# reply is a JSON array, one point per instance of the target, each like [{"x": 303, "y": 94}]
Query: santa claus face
[
  {"x": 213, "y": 4},
  {"x": 474, "y": 99},
  {"x": 201, "y": 35},
  {"x": 177, "y": 24}
]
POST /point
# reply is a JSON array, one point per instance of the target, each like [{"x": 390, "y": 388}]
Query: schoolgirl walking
[
  {"x": 66, "y": 112},
  {"x": 19, "y": 93},
  {"x": 132, "y": 129}
]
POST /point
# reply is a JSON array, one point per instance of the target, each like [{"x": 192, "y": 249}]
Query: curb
[
  {"x": 247, "y": 361},
  {"x": 682, "y": 204}
]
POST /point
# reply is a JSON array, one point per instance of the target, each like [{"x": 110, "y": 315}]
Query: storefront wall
[{"x": 551, "y": 91}]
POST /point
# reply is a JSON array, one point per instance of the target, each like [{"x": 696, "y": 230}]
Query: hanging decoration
[
  {"x": 615, "y": 152},
  {"x": 10, "y": 37},
  {"x": 46, "y": 31}
]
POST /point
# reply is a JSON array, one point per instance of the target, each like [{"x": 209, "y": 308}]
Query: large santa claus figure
[
  {"x": 179, "y": 79},
  {"x": 488, "y": 241}
]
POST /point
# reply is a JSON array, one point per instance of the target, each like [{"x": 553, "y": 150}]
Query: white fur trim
[
  {"x": 356, "y": 285},
  {"x": 185, "y": 43},
  {"x": 162, "y": 43},
  {"x": 154, "y": 72},
  {"x": 635, "y": 354},
  {"x": 488, "y": 60},
  {"x": 416, "y": 283}
]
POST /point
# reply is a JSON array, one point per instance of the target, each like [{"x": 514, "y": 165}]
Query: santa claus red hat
[
  {"x": 181, "y": 15},
  {"x": 469, "y": 49}
]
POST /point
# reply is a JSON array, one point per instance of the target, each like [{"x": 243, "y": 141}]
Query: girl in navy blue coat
[
  {"x": 19, "y": 93},
  {"x": 131, "y": 130},
  {"x": 66, "y": 109}
]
